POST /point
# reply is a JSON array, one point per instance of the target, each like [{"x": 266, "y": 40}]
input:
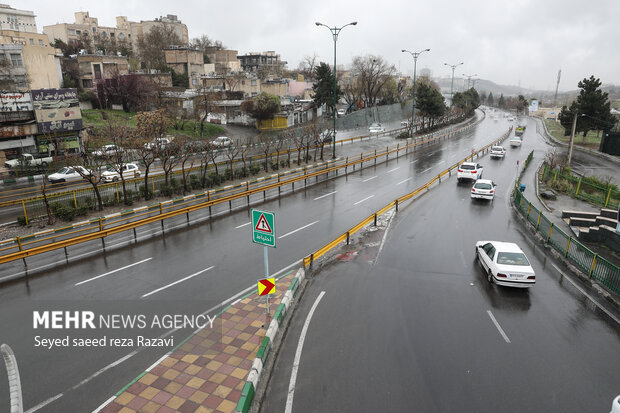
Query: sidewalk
[{"x": 207, "y": 372}]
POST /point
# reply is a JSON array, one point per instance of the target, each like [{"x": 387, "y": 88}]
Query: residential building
[
  {"x": 96, "y": 68},
  {"x": 277, "y": 87},
  {"x": 224, "y": 61},
  {"x": 188, "y": 61},
  {"x": 262, "y": 64},
  {"x": 18, "y": 20}
]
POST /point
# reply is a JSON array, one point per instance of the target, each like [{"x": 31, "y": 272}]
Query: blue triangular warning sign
[{"x": 263, "y": 225}]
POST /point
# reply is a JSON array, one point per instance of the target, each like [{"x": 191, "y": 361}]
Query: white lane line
[
  {"x": 243, "y": 225},
  {"x": 44, "y": 403},
  {"x": 298, "y": 229},
  {"x": 499, "y": 328},
  {"x": 427, "y": 169},
  {"x": 113, "y": 271},
  {"x": 368, "y": 179},
  {"x": 323, "y": 196},
  {"x": 405, "y": 180},
  {"x": 177, "y": 282},
  {"x": 104, "y": 404},
  {"x": 439, "y": 163},
  {"x": 587, "y": 295},
  {"x": 387, "y": 228},
  {"x": 365, "y": 199},
  {"x": 300, "y": 346},
  {"x": 414, "y": 161},
  {"x": 392, "y": 170}
]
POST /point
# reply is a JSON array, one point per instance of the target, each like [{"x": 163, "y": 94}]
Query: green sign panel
[{"x": 264, "y": 228}]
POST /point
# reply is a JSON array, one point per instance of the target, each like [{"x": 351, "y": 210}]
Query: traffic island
[{"x": 214, "y": 370}]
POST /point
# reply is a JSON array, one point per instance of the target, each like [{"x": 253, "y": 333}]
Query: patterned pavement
[{"x": 206, "y": 373}]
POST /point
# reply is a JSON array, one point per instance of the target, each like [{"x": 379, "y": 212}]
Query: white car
[
  {"x": 515, "y": 141},
  {"x": 130, "y": 170},
  {"x": 483, "y": 189},
  {"x": 107, "y": 150},
  {"x": 157, "y": 143},
  {"x": 404, "y": 123},
  {"x": 615, "y": 405},
  {"x": 69, "y": 173},
  {"x": 497, "y": 151},
  {"x": 470, "y": 171},
  {"x": 376, "y": 128},
  {"x": 341, "y": 112},
  {"x": 222, "y": 142},
  {"x": 505, "y": 264}
]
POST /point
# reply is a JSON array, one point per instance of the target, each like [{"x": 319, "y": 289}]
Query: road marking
[
  {"x": 177, "y": 282},
  {"x": 323, "y": 196},
  {"x": 44, "y": 403},
  {"x": 414, "y": 161},
  {"x": 104, "y": 404},
  {"x": 427, "y": 169},
  {"x": 387, "y": 228},
  {"x": 587, "y": 295},
  {"x": 439, "y": 163},
  {"x": 298, "y": 229},
  {"x": 405, "y": 180},
  {"x": 243, "y": 225},
  {"x": 499, "y": 328},
  {"x": 392, "y": 170},
  {"x": 300, "y": 346},
  {"x": 359, "y": 202},
  {"x": 368, "y": 179},
  {"x": 112, "y": 272}
]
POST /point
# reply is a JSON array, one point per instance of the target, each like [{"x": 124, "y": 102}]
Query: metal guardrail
[
  {"x": 105, "y": 227},
  {"x": 309, "y": 260}
]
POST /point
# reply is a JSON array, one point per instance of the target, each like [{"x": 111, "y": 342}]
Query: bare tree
[
  {"x": 169, "y": 155},
  {"x": 233, "y": 80},
  {"x": 231, "y": 153},
  {"x": 186, "y": 154},
  {"x": 307, "y": 65},
  {"x": 118, "y": 157},
  {"x": 89, "y": 165},
  {"x": 266, "y": 142},
  {"x": 152, "y": 44},
  {"x": 373, "y": 73}
]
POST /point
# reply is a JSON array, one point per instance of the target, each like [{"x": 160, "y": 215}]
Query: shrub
[
  {"x": 215, "y": 179},
  {"x": 403, "y": 135},
  {"x": 81, "y": 210},
  {"x": 194, "y": 181},
  {"x": 241, "y": 173},
  {"x": 228, "y": 174},
  {"x": 254, "y": 169},
  {"x": 166, "y": 190},
  {"x": 21, "y": 220},
  {"x": 283, "y": 163},
  {"x": 66, "y": 213},
  {"x": 146, "y": 194}
]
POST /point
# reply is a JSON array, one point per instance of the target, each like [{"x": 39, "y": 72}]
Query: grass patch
[
  {"x": 92, "y": 118},
  {"x": 593, "y": 138}
]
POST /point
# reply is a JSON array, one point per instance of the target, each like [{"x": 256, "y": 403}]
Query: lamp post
[
  {"x": 415, "y": 56},
  {"x": 469, "y": 78},
  {"x": 452, "y": 85},
  {"x": 335, "y": 32}
]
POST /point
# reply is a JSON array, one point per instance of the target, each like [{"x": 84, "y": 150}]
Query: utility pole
[
  {"x": 555, "y": 97},
  {"x": 572, "y": 139},
  {"x": 452, "y": 84}
]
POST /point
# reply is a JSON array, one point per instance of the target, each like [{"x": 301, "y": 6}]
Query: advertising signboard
[
  {"x": 57, "y": 110},
  {"x": 15, "y": 102}
]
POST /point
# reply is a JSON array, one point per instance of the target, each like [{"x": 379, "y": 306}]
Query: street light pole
[
  {"x": 335, "y": 32},
  {"x": 469, "y": 78},
  {"x": 572, "y": 138},
  {"x": 452, "y": 85},
  {"x": 415, "y": 56}
]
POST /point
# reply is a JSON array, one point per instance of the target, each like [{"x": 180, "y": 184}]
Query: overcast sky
[{"x": 503, "y": 41}]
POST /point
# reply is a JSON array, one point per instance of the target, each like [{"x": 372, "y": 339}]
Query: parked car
[
  {"x": 325, "y": 137},
  {"x": 107, "y": 150},
  {"x": 470, "y": 171},
  {"x": 515, "y": 141},
  {"x": 222, "y": 142},
  {"x": 497, "y": 151},
  {"x": 129, "y": 170},
  {"x": 28, "y": 159},
  {"x": 483, "y": 189},
  {"x": 157, "y": 143},
  {"x": 404, "y": 123},
  {"x": 341, "y": 112},
  {"x": 69, "y": 173},
  {"x": 505, "y": 264},
  {"x": 376, "y": 128}
]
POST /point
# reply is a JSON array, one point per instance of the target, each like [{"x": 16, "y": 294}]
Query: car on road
[
  {"x": 157, "y": 143},
  {"x": 376, "y": 128},
  {"x": 497, "y": 151},
  {"x": 129, "y": 170},
  {"x": 107, "y": 150},
  {"x": 483, "y": 189},
  {"x": 470, "y": 171},
  {"x": 505, "y": 264},
  {"x": 222, "y": 142},
  {"x": 69, "y": 173},
  {"x": 404, "y": 123},
  {"x": 341, "y": 112},
  {"x": 515, "y": 141},
  {"x": 615, "y": 405},
  {"x": 325, "y": 137}
]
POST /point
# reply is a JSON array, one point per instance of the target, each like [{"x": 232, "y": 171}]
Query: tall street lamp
[
  {"x": 415, "y": 56},
  {"x": 452, "y": 85},
  {"x": 335, "y": 32},
  {"x": 469, "y": 78}
]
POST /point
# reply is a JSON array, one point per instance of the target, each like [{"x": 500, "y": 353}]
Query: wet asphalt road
[{"x": 415, "y": 332}]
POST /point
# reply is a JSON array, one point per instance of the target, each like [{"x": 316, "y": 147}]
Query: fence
[
  {"x": 99, "y": 228},
  {"x": 597, "y": 267},
  {"x": 588, "y": 189}
]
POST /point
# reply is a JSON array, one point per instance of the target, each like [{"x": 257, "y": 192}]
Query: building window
[
  {"x": 253, "y": 82},
  {"x": 79, "y": 32},
  {"x": 16, "y": 60},
  {"x": 112, "y": 35},
  {"x": 97, "y": 71},
  {"x": 121, "y": 36},
  {"x": 71, "y": 32},
  {"x": 87, "y": 83},
  {"x": 31, "y": 42},
  {"x": 40, "y": 42},
  {"x": 94, "y": 30}
]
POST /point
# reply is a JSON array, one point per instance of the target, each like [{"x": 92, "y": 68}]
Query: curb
[
  {"x": 30, "y": 178},
  {"x": 251, "y": 384}
]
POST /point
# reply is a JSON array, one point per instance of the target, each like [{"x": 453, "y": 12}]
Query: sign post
[{"x": 264, "y": 233}]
